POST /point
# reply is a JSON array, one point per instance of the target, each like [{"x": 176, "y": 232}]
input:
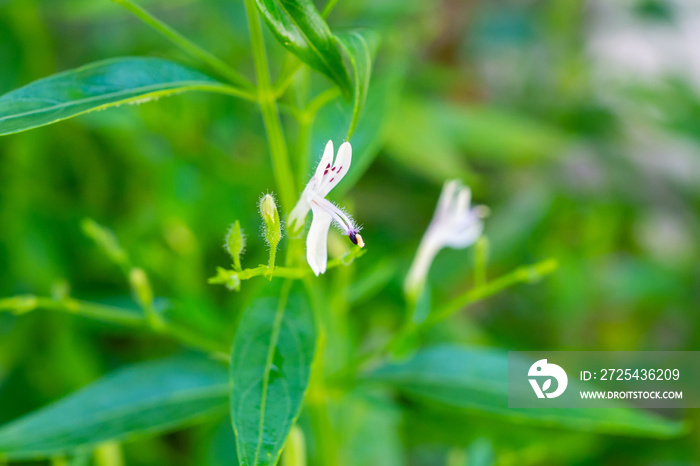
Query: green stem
[
  {"x": 529, "y": 274},
  {"x": 185, "y": 44},
  {"x": 321, "y": 100},
  {"x": 115, "y": 315},
  {"x": 306, "y": 118},
  {"x": 481, "y": 261},
  {"x": 225, "y": 276},
  {"x": 271, "y": 265},
  {"x": 303, "y": 148},
  {"x": 268, "y": 106},
  {"x": 328, "y": 8}
]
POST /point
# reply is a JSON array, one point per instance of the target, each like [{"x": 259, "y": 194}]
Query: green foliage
[
  {"x": 270, "y": 369},
  {"x": 300, "y": 28},
  {"x": 513, "y": 99},
  {"x": 361, "y": 48},
  {"x": 477, "y": 379},
  {"x": 97, "y": 86},
  {"x": 143, "y": 399}
]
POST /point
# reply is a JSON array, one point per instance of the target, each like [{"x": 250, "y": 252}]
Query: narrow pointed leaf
[
  {"x": 468, "y": 379},
  {"x": 361, "y": 48},
  {"x": 299, "y": 27},
  {"x": 270, "y": 368},
  {"x": 145, "y": 398},
  {"x": 97, "y": 86}
]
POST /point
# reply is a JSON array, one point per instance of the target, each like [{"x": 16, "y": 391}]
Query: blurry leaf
[
  {"x": 433, "y": 138},
  {"x": 300, "y": 28},
  {"x": 270, "y": 368},
  {"x": 371, "y": 282},
  {"x": 361, "y": 48},
  {"x": 145, "y": 398},
  {"x": 369, "y": 431},
  {"x": 477, "y": 379},
  {"x": 221, "y": 450},
  {"x": 333, "y": 119},
  {"x": 107, "y": 241},
  {"x": 480, "y": 453},
  {"x": 97, "y": 86}
]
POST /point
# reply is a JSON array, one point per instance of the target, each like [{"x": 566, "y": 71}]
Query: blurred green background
[{"x": 577, "y": 123}]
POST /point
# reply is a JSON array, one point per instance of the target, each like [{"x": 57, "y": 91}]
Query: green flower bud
[
  {"x": 271, "y": 227},
  {"x": 143, "y": 295},
  {"x": 141, "y": 287},
  {"x": 235, "y": 244},
  {"x": 106, "y": 240},
  {"x": 271, "y": 220}
]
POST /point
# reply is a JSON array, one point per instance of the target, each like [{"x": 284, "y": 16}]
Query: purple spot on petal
[
  {"x": 328, "y": 166},
  {"x": 331, "y": 180},
  {"x": 325, "y": 172}
]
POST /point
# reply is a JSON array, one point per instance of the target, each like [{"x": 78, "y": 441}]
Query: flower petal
[
  {"x": 465, "y": 237},
  {"x": 317, "y": 239},
  {"x": 343, "y": 220},
  {"x": 463, "y": 200},
  {"x": 324, "y": 165},
  {"x": 446, "y": 200},
  {"x": 338, "y": 171},
  {"x": 295, "y": 222}
]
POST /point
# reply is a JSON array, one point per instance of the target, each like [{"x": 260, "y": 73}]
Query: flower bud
[
  {"x": 271, "y": 228},
  {"x": 143, "y": 295},
  {"x": 235, "y": 244},
  {"x": 141, "y": 288},
  {"x": 271, "y": 220},
  {"x": 107, "y": 241}
]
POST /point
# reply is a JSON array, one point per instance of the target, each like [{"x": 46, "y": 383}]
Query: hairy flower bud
[
  {"x": 271, "y": 227},
  {"x": 271, "y": 220},
  {"x": 235, "y": 244}
]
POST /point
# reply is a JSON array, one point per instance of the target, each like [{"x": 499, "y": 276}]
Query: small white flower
[
  {"x": 328, "y": 175},
  {"x": 454, "y": 225}
]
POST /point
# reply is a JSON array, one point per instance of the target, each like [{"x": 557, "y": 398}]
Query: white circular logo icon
[{"x": 542, "y": 369}]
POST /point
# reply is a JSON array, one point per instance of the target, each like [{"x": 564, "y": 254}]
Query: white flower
[
  {"x": 328, "y": 175},
  {"x": 454, "y": 225}
]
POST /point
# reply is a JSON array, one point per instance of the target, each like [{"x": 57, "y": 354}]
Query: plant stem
[
  {"x": 303, "y": 147},
  {"x": 306, "y": 118},
  {"x": 328, "y": 7},
  {"x": 528, "y": 274},
  {"x": 115, "y": 315},
  {"x": 185, "y": 44},
  {"x": 268, "y": 106},
  {"x": 224, "y": 275}
]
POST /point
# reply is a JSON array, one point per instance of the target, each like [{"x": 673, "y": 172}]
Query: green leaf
[
  {"x": 98, "y": 86},
  {"x": 270, "y": 368},
  {"x": 300, "y": 28},
  {"x": 361, "y": 48},
  {"x": 437, "y": 139},
  {"x": 477, "y": 380},
  {"x": 145, "y": 398},
  {"x": 367, "y": 140},
  {"x": 369, "y": 425}
]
